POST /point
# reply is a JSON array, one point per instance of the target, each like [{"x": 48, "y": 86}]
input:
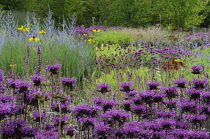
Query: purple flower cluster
[
  {"x": 37, "y": 79},
  {"x": 53, "y": 69}
]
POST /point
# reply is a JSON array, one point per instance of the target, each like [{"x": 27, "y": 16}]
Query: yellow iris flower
[
  {"x": 33, "y": 39},
  {"x": 23, "y": 28},
  {"x": 97, "y": 30},
  {"x": 42, "y": 31}
]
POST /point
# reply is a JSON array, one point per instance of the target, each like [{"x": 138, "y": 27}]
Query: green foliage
[{"x": 129, "y": 13}]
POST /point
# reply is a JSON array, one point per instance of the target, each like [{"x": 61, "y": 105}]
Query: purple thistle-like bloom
[
  {"x": 2, "y": 76},
  {"x": 64, "y": 107},
  {"x": 37, "y": 79},
  {"x": 104, "y": 87},
  {"x": 2, "y": 88},
  {"x": 39, "y": 116},
  {"x": 194, "y": 94},
  {"x": 188, "y": 106},
  {"x": 138, "y": 109},
  {"x": 166, "y": 114},
  {"x": 196, "y": 69},
  {"x": 87, "y": 122},
  {"x": 198, "y": 134},
  {"x": 196, "y": 118},
  {"x": 180, "y": 83},
  {"x": 171, "y": 92},
  {"x": 101, "y": 131},
  {"x": 127, "y": 105},
  {"x": 132, "y": 93},
  {"x": 113, "y": 116},
  {"x": 54, "y": 69},
  {"x": 170, "y": 104},
  {"x": 63, "y": 120},
  {"x": 22, "y": 86},
  {"x": 6, "y": 99},
  {"x": 17, "y": 129},
  {"x": 206, "y": 97},
  {"x": 69, "y": 82},
  {"x": 126, "y": 86},
  {"x": 13, "y": 83},
  {"x": 167, "y": 123},
  {"x": 86, "y": 110},
  {"x": 70, "y": 130},
  {"x": 153, "y": 85},
  {"x": 47, "y": 134},
  {"x": 108, "y": 105},
  {"x": 131, "y": 129},
  {"x": 98, "y": 101},
  {"x": 199, "y": 84}
]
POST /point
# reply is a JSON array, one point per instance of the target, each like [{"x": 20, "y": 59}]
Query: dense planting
[{"x": 74, "y": 83}]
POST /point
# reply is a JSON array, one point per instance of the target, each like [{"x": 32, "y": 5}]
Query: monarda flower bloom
[
  {"x": 181, "y": 83},
  {"x": 101, "y": 131},
  {"x": 108, "y": 105},
  {"x": 37, "y": 79},
  {"x": 87, "y": 122},
  {"x": 194, "y": 94},
  {"x": 53, "y": 69},
  {"x": 131, "y": 130},
  {"x": 2, "y": 88},
  {"x": 2, "y": 76},
  {"x": 199, "y": 84},
  {"x": 98, "y": 101},
  {"x": 170, "y": 104},
  {"x": 193, "y": 134},
  {"x": 69, "y": 82},
  {"x": 22, "y": 86},
  {"x": 127, "y": 105},
  {"x": 206, "y": 97},
  {"x": 62, "y": 119},
  {"x": 70, "y": 130},
  {"x": 64, "y": 107},
  {"x": 47, "y": 134},
  {"x": 6, "y": 99},
  {"x": 153, "y": 85},
  {"x": 196, "y": 119},
  {"x": 171, "y": 92},
  {"x": 196, "y": 69},
  {"x": 86, "y": 110},
  {"x": 188, "y": 106},
  {"x": 115, "y": 116},
  {"x": 39, "y": 116},
  {"x": 104, "y": 87},
  {"x": 126, "y": 86}
]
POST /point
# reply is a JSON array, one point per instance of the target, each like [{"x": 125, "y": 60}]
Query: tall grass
[{"x": 58, "y": 46}]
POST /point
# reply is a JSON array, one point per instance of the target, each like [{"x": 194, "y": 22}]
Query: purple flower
[
  {"x": 2, "y": 88},
  {"x": 153, "y": 85},
  {"x": 64, "y": 107},
  {"x": 194, "y": 94},
  {"x": 6, "y": 99},
  {"x": 37, "y": 79},
  {"x": 198, "y": 134},
  {"x": 131, "y": 130},
  {"x": 206, "y": 97},
  {"x": 171, "y": 92},
  {"x": 69, "y": 82},
  {"x": 188, "y": 106},
  {"x": 127, "y": 105},
  {"x": 39, "y": 116},
  {"x": 70, "y": 130},
  {"x": 195, "y": 118},
  {"x": 199, "y": 84},
  {"x": 2, "y": 76},
  {"x": 126, "y": 86},
  {"x": 87, "y": 122},
  {"x": 108, "y": 105},
  {"x": 86, "y": 110},
  {"x": 101, "y": 131},
  {"x": 62, "y": 119},
  {"x": 170, "y": 103},
  {"x": 132, "y": 93},
  {"x": 180, "y": 83},
  {"x": 104, "y": 87},
  {"x": 113, "y": 116},
  {"x": 138, "y": 109},
  {"x": 47, "y": 134},
  {"x": 196, "y": 69},
  {"x": 54, "y": 69},
  {"x": 98, "y": 101}
]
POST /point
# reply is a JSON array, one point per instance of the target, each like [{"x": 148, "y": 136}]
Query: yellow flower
[
  {"x": 33, "y": 39},
  {"x": 23, "y": 28},
  {"x": 85, "y": 34},
  {"x": 42, "y": 31},
  {"x": 92, "y": 40},
  {"x": 12, "y": 65},
  {"x": 97, "y": 30}
]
